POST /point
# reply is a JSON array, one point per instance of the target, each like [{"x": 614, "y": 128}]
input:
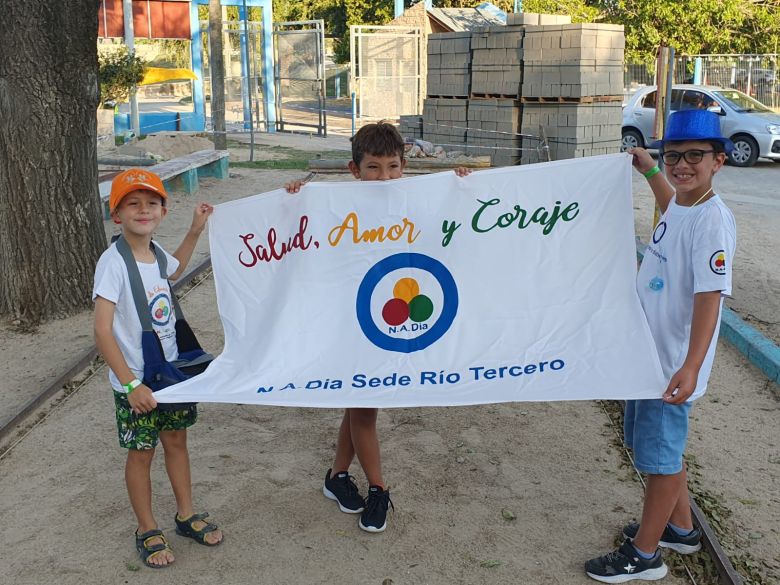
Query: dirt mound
[{"x": 167, "y": 146}]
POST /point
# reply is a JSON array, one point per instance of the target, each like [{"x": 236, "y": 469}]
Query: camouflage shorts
[{"x": 142, "y": 431}]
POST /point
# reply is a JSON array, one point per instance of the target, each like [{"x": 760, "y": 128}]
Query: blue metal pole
[
  {"x": 354, "y": 112},
  {"x": 337, "y": 81},
  {"x": 246, "y": 84},
  {"x": 268, "y": 66},
  {"x": 518, "y": 6},
  {"x": 198, "y": 101},
  {"x": 399, "y": 8},
  {"x": 697, "y": 71}
]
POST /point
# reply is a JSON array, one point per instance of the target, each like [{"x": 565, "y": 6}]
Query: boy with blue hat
[{"x": 685, "y": 273}]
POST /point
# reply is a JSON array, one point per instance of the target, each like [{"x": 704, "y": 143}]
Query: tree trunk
[
  {"x": 51, "y": 231},
  {"x": 217, "y": 70}
]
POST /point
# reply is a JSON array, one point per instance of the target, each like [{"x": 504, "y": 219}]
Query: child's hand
[
  {"x": 294, "y": 186},
  {"x": 642, "y": 160},
  {"x": 462, "y": 171},
  {"x": 142, "y": 400},
  {"x": 199, "y": 216},
  {"x": 681, "y": 386}
]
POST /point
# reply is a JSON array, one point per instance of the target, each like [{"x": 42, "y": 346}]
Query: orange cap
[{"x": 134, "y": 180}]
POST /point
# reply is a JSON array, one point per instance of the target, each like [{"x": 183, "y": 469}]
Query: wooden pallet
[
  {"x": 588, "y": 99},
  {"x": 495, "y": 96}
]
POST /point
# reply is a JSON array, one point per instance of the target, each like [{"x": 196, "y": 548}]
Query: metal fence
[
  {"x": 243, "y": 80},
  {"x": 755, "y": 75},
  {"x": 386, "y": 70},
  {"x": 299, "y": 56}
]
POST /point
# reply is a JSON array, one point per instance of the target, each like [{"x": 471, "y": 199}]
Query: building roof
[{"x": 465, "y": 19}]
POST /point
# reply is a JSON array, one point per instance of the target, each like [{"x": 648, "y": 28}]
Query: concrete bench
[{"x": 181, "y": 174}]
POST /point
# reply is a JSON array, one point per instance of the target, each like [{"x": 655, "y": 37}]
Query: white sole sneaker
[
  {"x": 646, "y": 575},
  {"x": 679, "y": 547},
  {"x": 372, "y": 528},
  {"x": 331, "y": 496},
  {"x": 683, "y": 549}
]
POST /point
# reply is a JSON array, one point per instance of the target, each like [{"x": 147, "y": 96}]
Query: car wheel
[
  {"x": 631, "y": 139},
  {"x": 745, "y": 153}
]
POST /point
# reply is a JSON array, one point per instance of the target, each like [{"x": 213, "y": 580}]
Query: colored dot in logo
[
  {"x": 395, "y": 312},
  {"x": 406, "y": 289},
  {"x": 420, "y": 308},
  {"x": 720, "y": 261}
]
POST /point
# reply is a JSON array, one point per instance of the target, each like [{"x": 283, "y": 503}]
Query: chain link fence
[{"x": 755, "y": 75}]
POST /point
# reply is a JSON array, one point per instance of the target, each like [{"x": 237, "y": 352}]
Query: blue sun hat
[{"x": 693, "y": 125}]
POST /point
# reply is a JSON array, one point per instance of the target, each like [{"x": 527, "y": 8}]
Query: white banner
[{"x": 511, "y": 284}]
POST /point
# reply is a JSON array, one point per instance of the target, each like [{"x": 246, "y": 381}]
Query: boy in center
[{"x": 377, "y": 155}]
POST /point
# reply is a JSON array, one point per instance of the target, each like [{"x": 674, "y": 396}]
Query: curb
[
  {"x": 756, "y": 347},
  {"x": 749, "y": 341}
]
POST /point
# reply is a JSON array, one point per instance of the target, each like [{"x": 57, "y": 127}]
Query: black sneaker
[
  {"x": 374, "y": 517},
  {"x": 685, "y": 545},
  {"x": 624, "y": 564},
  {"x": 343, "y": 490}
]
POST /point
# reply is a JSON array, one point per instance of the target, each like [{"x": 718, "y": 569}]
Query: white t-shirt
[
  {"x": 113, "y": 284},
  {"x": 691, "y": 251}
]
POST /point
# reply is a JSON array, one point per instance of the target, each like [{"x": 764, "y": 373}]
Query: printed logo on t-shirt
[
  {"x": 659, "y": 232},
  {"x": 718, "y": 262},
  {"x": 160, "y": 308}
]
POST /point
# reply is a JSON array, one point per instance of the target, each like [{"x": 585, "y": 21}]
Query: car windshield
[{"x": 740, "y": 101}]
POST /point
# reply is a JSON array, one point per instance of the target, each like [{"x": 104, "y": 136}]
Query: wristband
[
  {"x": 131, "y": 385},
  {"x": 652, "y": 172}
]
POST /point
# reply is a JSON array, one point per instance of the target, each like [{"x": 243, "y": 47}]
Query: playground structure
[
  {"x": 249, "y": 66},
  {"x": 276, "y": 77}
]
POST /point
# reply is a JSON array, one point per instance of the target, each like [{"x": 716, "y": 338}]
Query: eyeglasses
[{"x": 692, "y": 157}]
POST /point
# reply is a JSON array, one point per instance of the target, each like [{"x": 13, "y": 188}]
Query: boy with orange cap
[{"x": 138, "y": 202}]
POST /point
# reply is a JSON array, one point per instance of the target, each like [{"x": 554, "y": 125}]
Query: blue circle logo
[
  {"x": 431, "y": 334},
  {"x": 160, "y": 309},
  {"x": 659, "y": 232}
]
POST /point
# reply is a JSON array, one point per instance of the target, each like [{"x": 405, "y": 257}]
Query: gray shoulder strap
[
  {"x": 136, "y": 284},
  {"x": 162, "y": 262}
]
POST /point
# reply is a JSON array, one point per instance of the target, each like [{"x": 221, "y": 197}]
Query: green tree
[
  {"x": 119, "y": 72},
  {"x": 705, "y": 26}
]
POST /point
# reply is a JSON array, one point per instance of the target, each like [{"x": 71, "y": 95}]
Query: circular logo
[
  {"x": 718, "y": 262},
  {"x": 407, "y": 308},
  {"x": 160, "y": 309},
  {"x": 659, "y": 232}
]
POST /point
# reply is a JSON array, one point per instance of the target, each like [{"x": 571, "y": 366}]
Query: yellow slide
[{"x": 154, "y": 75}]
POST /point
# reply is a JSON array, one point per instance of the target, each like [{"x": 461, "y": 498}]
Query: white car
[{"x": 753, "y": 128}]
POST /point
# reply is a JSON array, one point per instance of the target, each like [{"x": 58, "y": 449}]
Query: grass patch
[{"x": 293, "y": 158}]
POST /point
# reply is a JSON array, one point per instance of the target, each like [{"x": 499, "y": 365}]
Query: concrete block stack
[
  {"x": 411, "y": 126},
  {"x": 497, "y": 61},
  {"x": 573, "y": 87},
  {"x": 494, "y": 125},
  {"x": 444, "y": 122},
  {"x": 535, "y": 19},
  {"x": 449, "y": 64},
  {"x": 538, "y": 75},
  {"x": 573, "y": 61},
  {"x": 573, "y": 130}
]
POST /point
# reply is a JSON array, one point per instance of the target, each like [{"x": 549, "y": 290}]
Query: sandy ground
[{"x": 451, "y": 470}]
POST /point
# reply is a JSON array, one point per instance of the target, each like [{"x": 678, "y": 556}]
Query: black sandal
[
  {"x": 149, "y": 551},
  {"x": 185, "y": 528}
]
